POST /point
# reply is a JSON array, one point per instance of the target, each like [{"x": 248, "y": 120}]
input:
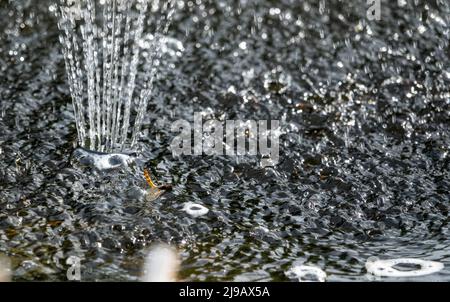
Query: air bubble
[
  {"x": 385, "y": 268},
  {"x": 306, "y": 273}
]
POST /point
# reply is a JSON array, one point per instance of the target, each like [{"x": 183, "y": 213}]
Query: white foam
[
  {"x": 385, "y": 268},
  {"x": 195, "y": 210},
  {"x": 306, "y": 273},
  {"x": 167, "y": 45}
]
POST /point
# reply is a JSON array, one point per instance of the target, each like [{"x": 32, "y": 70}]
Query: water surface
[{"x": 364, "y": 163}]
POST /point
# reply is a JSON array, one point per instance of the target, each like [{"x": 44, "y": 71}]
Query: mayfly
[{"x": 155, "y": 190}]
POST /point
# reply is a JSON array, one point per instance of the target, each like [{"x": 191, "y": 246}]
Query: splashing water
[
  {"x": 102, "y": 51},
  {"x": 363, "y": 166}
]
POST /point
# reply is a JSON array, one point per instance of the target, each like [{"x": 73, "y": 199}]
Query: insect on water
[{"x": 155, "y": 190}]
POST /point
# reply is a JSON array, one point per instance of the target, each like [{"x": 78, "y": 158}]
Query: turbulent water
[{"x": 364, "y": 156}]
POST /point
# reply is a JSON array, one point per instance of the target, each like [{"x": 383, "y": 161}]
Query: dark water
[{"x": 364, "y": 157}]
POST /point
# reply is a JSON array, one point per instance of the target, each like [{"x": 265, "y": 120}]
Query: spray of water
[{"x": 101, "y": 47}]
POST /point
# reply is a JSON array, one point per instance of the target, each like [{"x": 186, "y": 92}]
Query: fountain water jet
[{"x": 101, "y": 46}]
